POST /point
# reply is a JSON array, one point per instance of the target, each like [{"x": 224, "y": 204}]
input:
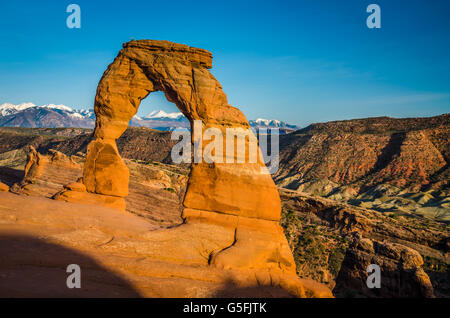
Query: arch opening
[
  {"x": 156, "y": 101},
  {"x": 181, "y": 73},
  {"x": 156, "y": 112}
]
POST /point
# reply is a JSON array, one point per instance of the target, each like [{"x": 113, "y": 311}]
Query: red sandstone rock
[{"x": 231, "y": 210}]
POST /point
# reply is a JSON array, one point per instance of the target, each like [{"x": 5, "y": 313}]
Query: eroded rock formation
[
  {"x": 382, "y": 163},
  {"x": 181, "y": 72},
  {"x": 231, "y": 210},
  {"x": 44, "y": 174},
  {"x": 400, "y": 268}
]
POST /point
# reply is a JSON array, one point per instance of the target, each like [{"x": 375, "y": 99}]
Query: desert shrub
[
  {"x": 434, "y": 264},
  {"x": 171, "y": 190},
  {"x": 310, "y": 248},
  {"x": 335, "y": 260}
]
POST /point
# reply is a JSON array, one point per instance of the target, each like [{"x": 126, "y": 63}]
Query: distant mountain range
[
  {"x": 272, "y": 123},
  {"x": 51, "y": 116},
  {"x": 29, "y": 115}
]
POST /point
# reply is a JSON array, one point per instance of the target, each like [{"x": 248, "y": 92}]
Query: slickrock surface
[
  {"x": 122, "y": 255},
  {"x": 117, "y": 256}
]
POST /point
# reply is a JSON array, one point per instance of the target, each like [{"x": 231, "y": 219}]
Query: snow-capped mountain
[
  {"x": 160, "y": 114},
  {"x": 160, "y": 120},
  {"x": 11, "y": 109},
  {"x": 49, "y": 115},
  {"x": 55, "y": 116},
  {"x": 272, "y": 123}
]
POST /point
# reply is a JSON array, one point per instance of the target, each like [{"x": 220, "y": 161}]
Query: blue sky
[{"x": 299, "y": 61}]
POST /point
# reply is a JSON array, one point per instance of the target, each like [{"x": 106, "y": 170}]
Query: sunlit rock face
[
  {"x": 181, "y": 72},
  {"x": 231, "y": 210}
]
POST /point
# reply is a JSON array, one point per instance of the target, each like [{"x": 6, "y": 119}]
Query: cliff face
[
  {"x": 324, "y": 235},
  {"x": 382, "y": 163},
  {"x": 136, "y": 143},
  {"x": 401, "y": 271}
]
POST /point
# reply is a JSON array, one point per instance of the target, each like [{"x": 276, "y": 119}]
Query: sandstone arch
[
  {"x": 231, "y": 211},
  {"x": 181, "y": 72}
]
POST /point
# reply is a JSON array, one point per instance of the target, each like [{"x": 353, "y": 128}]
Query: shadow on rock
[
  {"x": 30, "y": 267},
  {"x": 9, "y": 176},
  {"x": 231, "y": 289}
]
